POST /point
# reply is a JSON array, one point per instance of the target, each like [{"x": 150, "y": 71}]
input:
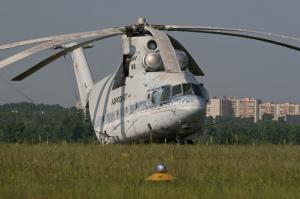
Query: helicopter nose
[
  {"x": 192, "y": 104},
  {"x": 190, "y": 111},
  {"x": 190, "y": 108}
]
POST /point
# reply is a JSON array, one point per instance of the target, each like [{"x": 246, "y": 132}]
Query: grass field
[{"x": 119, "y": 171}]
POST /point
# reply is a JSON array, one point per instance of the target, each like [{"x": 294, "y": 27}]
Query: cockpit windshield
[
  {"x": 177, "y": 90},
  {"x": 187, "y": 89},
  {"x": 164, "y": 94}
]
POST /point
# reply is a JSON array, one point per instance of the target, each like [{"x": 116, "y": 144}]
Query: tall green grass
[{"x": 119, "y": 171}]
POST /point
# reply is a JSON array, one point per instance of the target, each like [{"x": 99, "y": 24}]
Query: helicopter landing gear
[
  {"x": 185, "y": 141},
  {"x": 106, "y": 139}
]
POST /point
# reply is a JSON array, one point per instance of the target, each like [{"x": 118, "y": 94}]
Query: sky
[{"x": 233, "y": 66}]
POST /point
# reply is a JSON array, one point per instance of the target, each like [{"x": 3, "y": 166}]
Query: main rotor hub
[
  {"x": 141, "y": 21},
  {"x": 137, "y": 29}
]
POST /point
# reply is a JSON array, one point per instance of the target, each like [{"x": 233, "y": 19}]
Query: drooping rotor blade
[
  {"x": 59, "y": 40},
  {"x": 39, "y": 66},
  {"x": 249, "y": 34},
  {"x": 192, "y": 66},
  {"x": 74, "y": 36},
  {"x": 181, "y": 28},
  {"x": 166, "y": 50},
  {"x": 60, "y": 54}
]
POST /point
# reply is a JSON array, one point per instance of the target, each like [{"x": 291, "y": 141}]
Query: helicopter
[{"x": 154, "y": 95}]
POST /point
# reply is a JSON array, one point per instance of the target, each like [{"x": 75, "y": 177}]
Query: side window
[
  {"x": 152, "y": 98},
  {"x": 197, "y": 90},
  {"x": 159, "y": 96},
  {"x": 141, "y": 105},
  {"x": 155, "y": 99}
]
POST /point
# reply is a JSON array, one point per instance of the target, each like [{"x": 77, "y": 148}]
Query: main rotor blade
[
  {"x": 58, "y": 55},
  {"x": 192, "y": 65},
  {"x": 45, "y": 39},
  {"x": 166, "y": 50},
  {"x": 180, "y": 28},
  {"x": 23, "y": 43},
  {"x": 249, "y": 34},
  {"x": 39, "y": 66},
  {"x": 59, "y": 40}
]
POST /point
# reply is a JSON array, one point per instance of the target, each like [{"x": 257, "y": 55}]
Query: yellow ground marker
[{"x": 161, "y": 174}]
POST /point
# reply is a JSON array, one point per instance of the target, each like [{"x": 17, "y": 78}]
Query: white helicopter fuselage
[
  {"x": 133, "y": 112},
  {"x": 150, "y": 97},
  {"x": 145, "y": 104}
]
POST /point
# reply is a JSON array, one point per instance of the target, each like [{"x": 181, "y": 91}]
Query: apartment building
[
  {"x": 278, "y": 110},
  {"x": 234, "y": 107},
  {"x": 219, "y": 107},
  {"x": 250, "y": 107},
  {"x": 246, "y": 108}
]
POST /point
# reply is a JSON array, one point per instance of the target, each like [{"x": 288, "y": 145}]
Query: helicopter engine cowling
[
  {"x": 152, "y": 62},
  {"x": 183, "y": 59}
]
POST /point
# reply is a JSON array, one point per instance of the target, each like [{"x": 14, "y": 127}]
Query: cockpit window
[
  {"x": 155, "y": 99},
  {"x": 163, "y": 95},
  {"x": 177, "y": 90},
  {"x": 187, "y": 89},
  {"x": 166, "y": 94},
  {"x": 197, "y": 90}
]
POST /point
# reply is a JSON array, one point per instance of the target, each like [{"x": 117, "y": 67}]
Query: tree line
[
  {"x": 31, "y": 123},
  {"x": 39, "y": 123},
  {"x": 245, "y": 131}
]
